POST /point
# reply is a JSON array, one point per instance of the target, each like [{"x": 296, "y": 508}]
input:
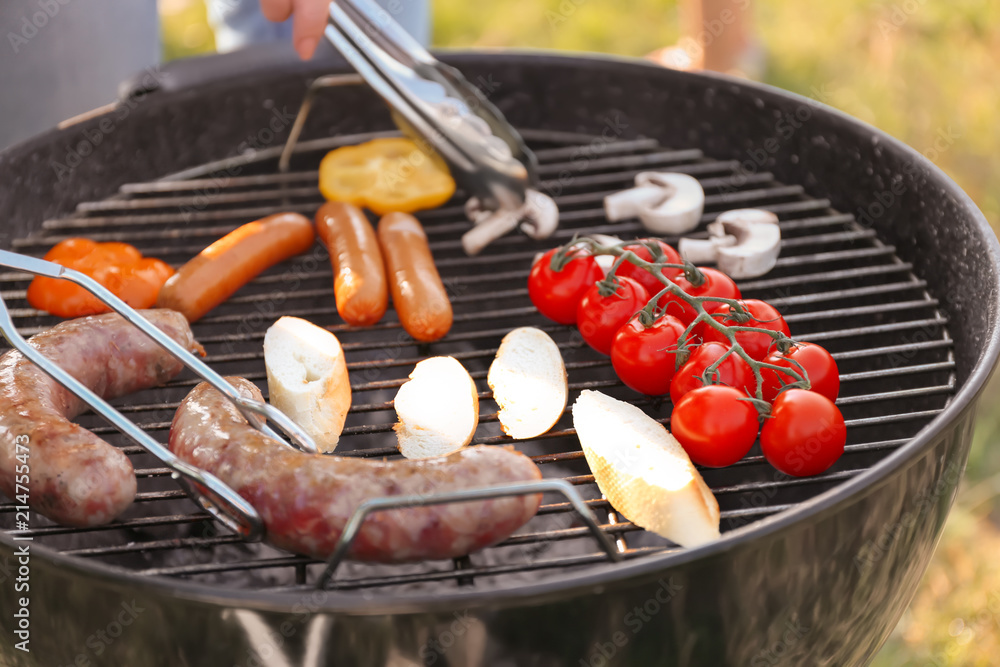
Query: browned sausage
[
  {"x": 234, "y": 260},
  {"x": 76, "y": 478},
  {"x": 358, "y": 271},
  {"x": 417, "y": 291},
  {"x": 305, "y": 500}
]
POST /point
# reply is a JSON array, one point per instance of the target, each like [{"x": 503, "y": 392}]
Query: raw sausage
[
  {"x": 76, "y": 478},
  {"x": 417, "y": 291},
  {"x": 306, "y": 499},
  {"x": 234, "y": 260},
  {"x": 358, "y": 271}
]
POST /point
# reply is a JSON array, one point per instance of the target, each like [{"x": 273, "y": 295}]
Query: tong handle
[{"x": 212, "y": 494}]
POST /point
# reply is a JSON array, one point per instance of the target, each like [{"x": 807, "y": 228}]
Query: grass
[{"x": 919, "y": 69}]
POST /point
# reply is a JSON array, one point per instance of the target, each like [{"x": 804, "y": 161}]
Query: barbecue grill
[{"x": 876, "y": 242}]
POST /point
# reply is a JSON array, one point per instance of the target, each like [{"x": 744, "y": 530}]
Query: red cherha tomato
[
  {"x": 645, "y": 358},
  {"x": 733, "y": 372},
  {"x": 556, "y": 294},
  {"x": 805, "y": 433},
  {"x": 819, "y": 365},
  {"x": 716, "y": 283},
  {"x": 644, "y": 277},
  {"x": 757, "y": 345},
  {"x": 600, "y": 317},
  {"x": 715, "y": 425}
]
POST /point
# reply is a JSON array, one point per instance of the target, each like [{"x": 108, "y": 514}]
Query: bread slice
[
  {"x": 438, "y": 409},
  {"x": 307, "y": 378},
  {"x": 643, "y": 471},
  {"x": 528, "y": 379}
]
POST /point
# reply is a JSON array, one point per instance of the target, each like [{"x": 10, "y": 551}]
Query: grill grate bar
[
  {"x": 202, "y": 200},
  {"x": 854, "y": 354},
  {"x": 642, "y": 160},
  {"x": 371, "y": 407},
  {"x": 882, "y": 328},
  {"x": 93, "y": 222},
  {"x": 565, "y": 230},
  {"x": 438, "y": 575},
  {"x": 258, "y": 180},
  {"x": 861, "y": 310},
  {"x": 486, "y": 418}
]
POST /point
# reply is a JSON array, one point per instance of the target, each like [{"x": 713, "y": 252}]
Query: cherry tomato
[
  {"x": 645, "y": 358},
  {"x": 805, "y": 433},
  {"x": 716, "y": 283},
  {"x": 733, "y": 372},
  {"x": 819, "y": 365},
  {"x": 714, "y": 425},
  {"x": 644, "y": 277},
  {"x": 757, "y": 345},
  {"x": 600, "y": 317},
  {"x": 556, "y": 294}
]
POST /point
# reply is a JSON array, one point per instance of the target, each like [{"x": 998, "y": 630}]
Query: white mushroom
[
  {"x": 538, "y": 218},
  {"x": 744, "y": 243},
  {"x": 704, "y": 251},
  {"x": 626, "y": 204},
  {"x": 488, "y": 229},
  {"x": 665, "y": 203}
]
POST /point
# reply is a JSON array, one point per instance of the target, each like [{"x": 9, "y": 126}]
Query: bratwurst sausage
[
  {"x": 358, "y": 271},
  {"x": 418, "y": 294},
  {"x": 76, "y": 478},
  {"x": 305, "y": 500},
  {"x": 222, "y": 268}
]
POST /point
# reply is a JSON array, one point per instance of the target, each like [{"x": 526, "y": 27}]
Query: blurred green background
[{"x": 911, "y": 67}]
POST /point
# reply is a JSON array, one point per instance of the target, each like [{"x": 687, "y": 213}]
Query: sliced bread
[
  {"x": 437, "y": 409},
  {"x": 307, "y": 378},
  {"x": 643, "y": 471},
  {"x": 528, "y": 379}
]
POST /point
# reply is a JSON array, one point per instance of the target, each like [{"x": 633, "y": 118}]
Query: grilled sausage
[
  {"x": 234, "y": 260},
  {"x": 358, "y": 271},
  {"x": 76, "y": 478},
  {"x": 305, "y": 500},
  {"x": 417, "y": 291}
]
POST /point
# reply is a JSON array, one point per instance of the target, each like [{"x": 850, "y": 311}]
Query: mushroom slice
[
  {"x": 758, "y": 242},
  {"x": 538, "y": 218},
  {"x": 704, "y": 251},
  {"x": 665, "y": 203}
]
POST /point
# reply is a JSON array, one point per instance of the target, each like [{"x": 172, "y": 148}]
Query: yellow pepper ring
[{"x": 385, "y": 175}]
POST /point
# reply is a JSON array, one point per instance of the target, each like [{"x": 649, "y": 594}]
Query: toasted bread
[{"x": 643, "y": 471}]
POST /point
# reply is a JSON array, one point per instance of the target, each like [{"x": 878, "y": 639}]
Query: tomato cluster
[{"x": 712, "y": 387}]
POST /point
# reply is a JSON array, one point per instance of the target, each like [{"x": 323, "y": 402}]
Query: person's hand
[{"x": 307, "y": 25}]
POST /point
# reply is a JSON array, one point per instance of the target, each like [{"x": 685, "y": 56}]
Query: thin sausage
[
  {"x": 358, "y": 271},
  {"x": 305, "y": 500},
  {"x": 76, "y": 478},
  {"x": 417, "y": 291},
  {"x": 234, "y": 260}
]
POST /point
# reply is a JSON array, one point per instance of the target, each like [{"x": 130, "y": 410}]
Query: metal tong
[
  {"x": 206, "y": 489},
  {"x": 434, "y": 104}
]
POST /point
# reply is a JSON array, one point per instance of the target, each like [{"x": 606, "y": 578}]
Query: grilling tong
[{"x": 437, "y": 107}]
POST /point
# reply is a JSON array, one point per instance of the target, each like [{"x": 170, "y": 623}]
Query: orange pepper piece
[
  {"x": 385, "y": 175},
  {"x": 134, "y": 279}
]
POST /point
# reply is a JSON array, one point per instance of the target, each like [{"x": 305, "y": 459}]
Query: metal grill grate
[{"x": 835, "y": 283}]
